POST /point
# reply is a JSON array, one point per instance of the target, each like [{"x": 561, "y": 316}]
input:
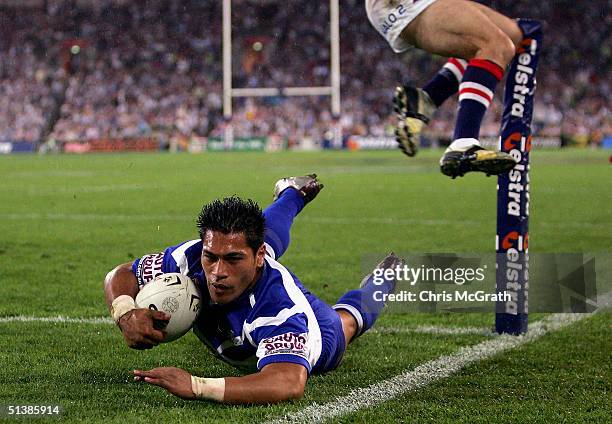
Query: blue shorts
[{"x": 332, "y": 337}]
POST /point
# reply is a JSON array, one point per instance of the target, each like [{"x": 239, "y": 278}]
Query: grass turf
[{"x": 67, "y": 220}]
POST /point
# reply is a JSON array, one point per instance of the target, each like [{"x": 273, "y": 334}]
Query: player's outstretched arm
[
  {"x": 137, "y": 325},
  {"x": 275, "y": 383},
  {"x": 120, "y": 281}
]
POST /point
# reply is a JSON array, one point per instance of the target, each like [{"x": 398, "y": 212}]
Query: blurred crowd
[{"x": 133, "y": 69}]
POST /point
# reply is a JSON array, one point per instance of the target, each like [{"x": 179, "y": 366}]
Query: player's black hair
[{"x": 233, "y": 215}]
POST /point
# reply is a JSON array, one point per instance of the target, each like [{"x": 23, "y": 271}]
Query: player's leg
[
  {"x": 509, "y": 26},
  {"x": 359, "y": 309},
  {"x": 446, "y": 82},
  {"x": 414, "y": 107},
  {"x": 461, "y": 28},
  {"x": 291, "y": 194},
  {"x": 464, "y": 29},
  {"x": 349, "y": 325}
]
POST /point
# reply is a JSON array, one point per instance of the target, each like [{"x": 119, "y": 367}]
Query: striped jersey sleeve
[{"x": 183, "y": 258}]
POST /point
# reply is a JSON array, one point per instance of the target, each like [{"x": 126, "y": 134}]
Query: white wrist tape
[
  {"x": 121, "y": 305},
  {"x": 208, "y": 388}
]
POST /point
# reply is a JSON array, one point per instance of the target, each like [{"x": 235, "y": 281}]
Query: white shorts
[{"x": 390, "y": 17}]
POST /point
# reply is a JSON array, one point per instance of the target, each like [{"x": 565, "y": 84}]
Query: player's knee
[
  {"x": 296, "y": 393},
  {"x": 502, "y": 49},
  {"x": 508, "y": 50},
  {"x": 349, "y": 325},
  {"x": 295, "y": 388}
]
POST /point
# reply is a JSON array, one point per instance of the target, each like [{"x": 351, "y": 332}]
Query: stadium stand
[{"x": 72, "y": 71}]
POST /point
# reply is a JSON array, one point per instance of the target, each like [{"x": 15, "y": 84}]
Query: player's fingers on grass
[
  {"x": 154, "y": 373},
  {"x": 138, "y": 375},
  {"x": 156, "y": 376},
  {"x": 155, "y": 381}
]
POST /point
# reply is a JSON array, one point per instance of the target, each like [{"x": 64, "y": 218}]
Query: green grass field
[{"x": 67, "y": 220}]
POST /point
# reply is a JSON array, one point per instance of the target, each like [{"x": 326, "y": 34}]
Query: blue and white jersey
[{"x": 277, "y": 320}]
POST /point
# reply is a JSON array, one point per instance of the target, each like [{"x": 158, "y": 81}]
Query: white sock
[{"x": 462, "y": 144}]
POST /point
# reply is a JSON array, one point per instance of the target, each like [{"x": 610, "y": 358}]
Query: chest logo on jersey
[{"x": 291, "y": 343}]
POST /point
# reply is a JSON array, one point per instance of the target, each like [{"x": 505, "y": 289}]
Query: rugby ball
[{"x": 175, "y": 294}]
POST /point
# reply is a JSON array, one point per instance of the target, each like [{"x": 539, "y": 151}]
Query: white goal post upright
[
  {"x": 228, "y": 134},
  {"x": 332, "y": 90}
]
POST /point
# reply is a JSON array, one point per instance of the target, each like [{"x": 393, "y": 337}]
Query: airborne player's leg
[
  {"x": 485, "y": 40},
  {"x": 415, "y": 107},
  {"x": 464, "y": 29},
  {"x": 446, "y": 82}
]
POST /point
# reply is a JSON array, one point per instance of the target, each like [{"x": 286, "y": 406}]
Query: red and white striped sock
[
  {"x": 446, "y": 82},
  {"x": 475, "y": 95}
]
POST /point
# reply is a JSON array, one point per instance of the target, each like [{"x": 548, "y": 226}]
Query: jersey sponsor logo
[
  {"x": 288, "y": 343},
  {"x": 149, "y": 267}
]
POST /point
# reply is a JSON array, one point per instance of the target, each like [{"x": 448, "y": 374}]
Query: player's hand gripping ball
[{"x": 175, "y": 294}]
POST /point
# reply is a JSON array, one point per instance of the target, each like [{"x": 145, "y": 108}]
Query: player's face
[{"x": 229, "y": 264}]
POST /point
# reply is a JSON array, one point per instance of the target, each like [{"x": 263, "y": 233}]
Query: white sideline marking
[
  {"x": 421, "y": 376},
  {"x": 57, "y": 319},
  {"x": 426, "y": 329},
  {"x": 74, "y": 189},
  {"x": 93, "y": 216},
  {"x": 434, "y": 329},
  {"x": 426, "y": 373}
]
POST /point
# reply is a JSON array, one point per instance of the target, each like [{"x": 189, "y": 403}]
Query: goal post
[
  {"x": 333, "y": 90},
  {"x": 512, "y": 239}
]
